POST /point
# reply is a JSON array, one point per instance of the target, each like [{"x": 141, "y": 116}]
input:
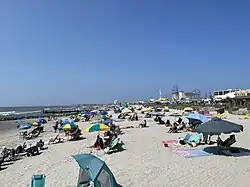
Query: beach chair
[
  {"x": 196, "y": 139},
  {"x": 187, "y": 138},
  {"x": 192, "y": 140},
  {"x": 38, "y": 180},
  {"x": 115, "y": 146},
  {"x": 227, "y": 143}
]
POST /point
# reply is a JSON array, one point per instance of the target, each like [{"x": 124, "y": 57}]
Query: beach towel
[{"x": 190, "y": 153}]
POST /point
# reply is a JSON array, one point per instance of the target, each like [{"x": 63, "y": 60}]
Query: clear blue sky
[{"x": 89, "y": 51}]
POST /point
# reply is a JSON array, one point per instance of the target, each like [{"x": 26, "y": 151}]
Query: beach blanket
[
  {"x": 185, "y": 152},
  {"x": 190, "y": 153}
]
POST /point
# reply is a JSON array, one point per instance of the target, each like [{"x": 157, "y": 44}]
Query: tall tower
[
  {"x": 175, "y": 93},
  {"x": 160, "y": 94}
]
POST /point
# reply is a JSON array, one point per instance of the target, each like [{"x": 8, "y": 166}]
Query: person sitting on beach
[
  {"x": 179, "y": 121},
  {"x": 160, "y": 120},
  {"x": 108, "y": 141},
  {"x": 99, "y": 142},
  {"x": 168, "y": 123},
  {"x": 143, "y": 124}
]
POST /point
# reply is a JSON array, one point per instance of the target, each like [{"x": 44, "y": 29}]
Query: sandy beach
[{"x": 145, "y": 162}]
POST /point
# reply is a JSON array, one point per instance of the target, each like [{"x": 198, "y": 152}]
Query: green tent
[{"x": 93, "y": 169}]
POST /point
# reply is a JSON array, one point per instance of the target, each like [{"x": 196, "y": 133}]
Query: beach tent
[{"x": 95, "y": 170}]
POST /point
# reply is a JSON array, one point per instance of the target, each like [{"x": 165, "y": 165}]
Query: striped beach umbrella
[
  {"x": 97, "y": 127},
  {"x": 70, "y": 126}
]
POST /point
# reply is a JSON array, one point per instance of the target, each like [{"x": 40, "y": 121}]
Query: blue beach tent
[{"x": 93, "y": 169}]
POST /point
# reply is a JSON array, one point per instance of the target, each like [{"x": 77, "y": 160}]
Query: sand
[{"x": 145, "y": 162}]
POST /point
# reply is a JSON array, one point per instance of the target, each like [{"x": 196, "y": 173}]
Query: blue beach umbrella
[
  {"x": 103, "y": 113},
  {"x": 42, "y": 121},
  {"x": 24, "y": 126},
  {"x": 107, "y": 121},
  {"x": 197, "y": 116},
  {"x": 19, "y": 121}
]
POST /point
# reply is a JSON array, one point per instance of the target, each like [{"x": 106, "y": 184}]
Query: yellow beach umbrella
[
  {"x": 187, "y": 109},
  {"x": 126, "y": 110},
  {"x": 35, "y": 123},
  {"x": 97, "y": 127},
  {"x": 69, "y": 126}
]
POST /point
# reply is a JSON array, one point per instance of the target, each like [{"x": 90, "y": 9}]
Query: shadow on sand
[
  {"x": 232, "y": 151},
  {"x": 117, "y": 151},
  {"x": 79, "y": 139},
  {"x": 3, "y": 168}
]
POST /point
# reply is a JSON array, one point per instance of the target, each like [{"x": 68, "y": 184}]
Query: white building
[{"x": 224, "y": 94}]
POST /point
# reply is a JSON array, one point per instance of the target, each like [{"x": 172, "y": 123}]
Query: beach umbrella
[
  {"x": 42, "y": 121},
  {"x": 25, "y": 126},
  {"x": 106, "y": 117},
  {"x": 126, "y": 110},
  {"x": 218, "y": 126},
  {"x": 97, "y": 127},
  {"x": 104, "y": 113},
  {"x": 200, "y": 117},
  {"x": 35, "y": 123},
  {"x": 156, "y": 114},
  {"x": 188, "y": 109},
  {"x": 175, "y": 115},
  {"x": 19, "y": 121},
  {"x": 69, "y": 126},
  {"x": 106, "y": 121}
]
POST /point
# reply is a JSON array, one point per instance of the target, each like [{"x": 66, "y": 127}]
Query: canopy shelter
[
  {"x": 218, "y": 126},
  {"x": 93, "y": 169}
]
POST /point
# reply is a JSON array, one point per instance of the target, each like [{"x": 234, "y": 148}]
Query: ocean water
[{"x": 29, "y": 109}]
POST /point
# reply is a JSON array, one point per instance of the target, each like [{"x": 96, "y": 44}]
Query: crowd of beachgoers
[{"x": 141, "y": 146}]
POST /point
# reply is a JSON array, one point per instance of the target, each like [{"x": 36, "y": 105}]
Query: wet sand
[{"x": 7, "y": 125}]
